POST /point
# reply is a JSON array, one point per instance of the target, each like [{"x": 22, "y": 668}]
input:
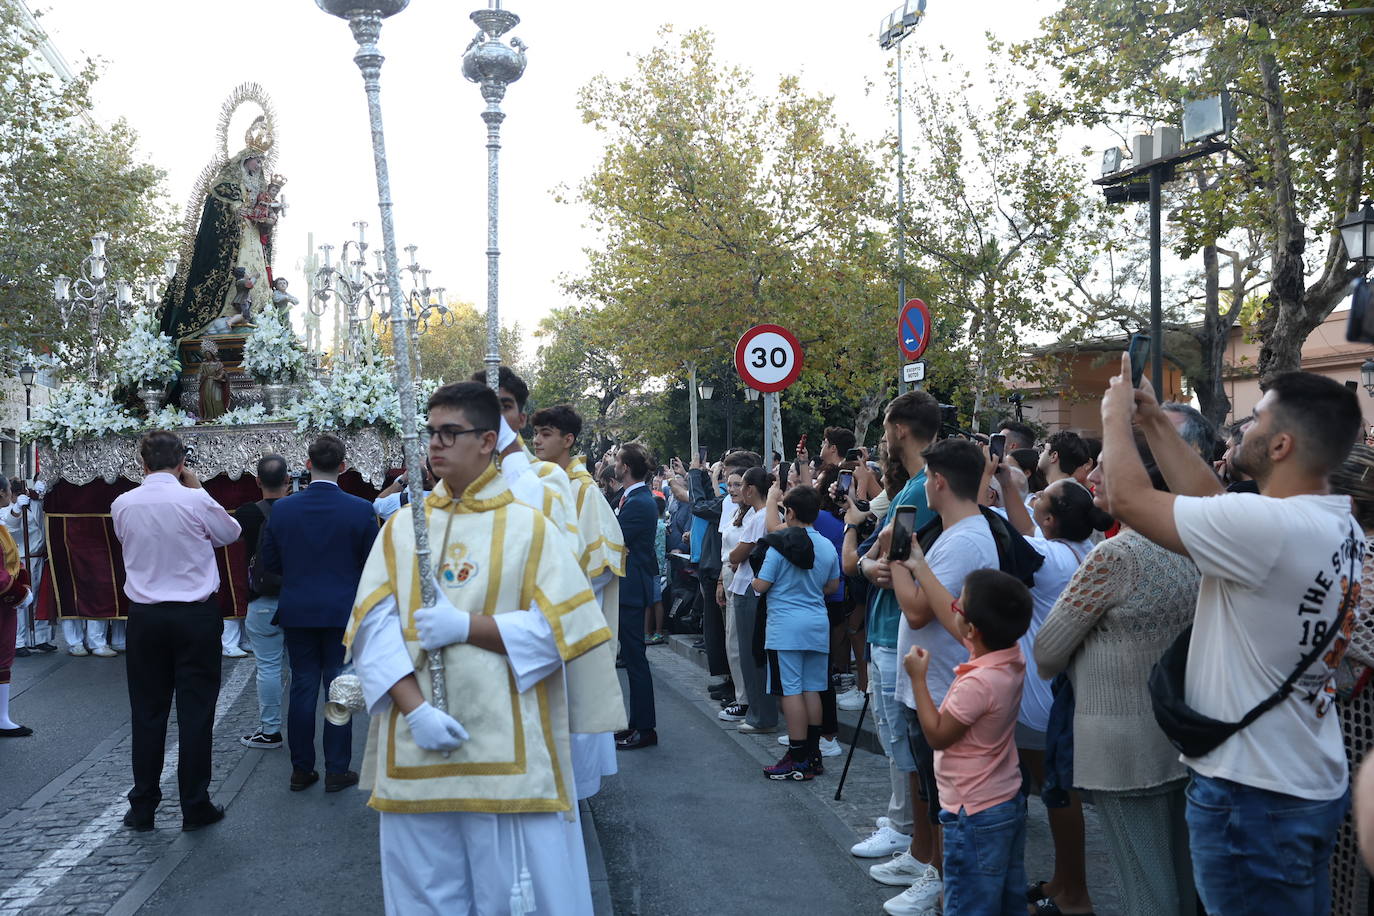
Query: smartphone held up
[
  {"x": 1139, "y": 352},
  {"x": 903, "y": 527}
]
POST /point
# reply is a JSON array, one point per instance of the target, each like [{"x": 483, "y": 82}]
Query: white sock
[{"x": 5, "y": 721}]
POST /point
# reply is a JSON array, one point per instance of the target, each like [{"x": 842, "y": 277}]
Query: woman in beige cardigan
[{"x": 1121, "y": 610}]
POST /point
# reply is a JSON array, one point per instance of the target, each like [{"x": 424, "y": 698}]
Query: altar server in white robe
[{"x": 478, "y": 813}]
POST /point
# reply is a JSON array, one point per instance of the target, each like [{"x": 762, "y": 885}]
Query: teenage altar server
[
  {"x": 478, "y": 814},
  {"x": 603, "y": 560}
]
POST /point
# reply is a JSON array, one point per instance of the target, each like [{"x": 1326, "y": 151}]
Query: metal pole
[
  {"x": 901, "y": 207},
  {"x": 31, "y": 628},
  {"x": 768, "y": 428},
  {"x": 367, "y": 27},
  {"x": 692, "y": 407},
  {"x": 28, "y": 417},
  {"x": 1156, "y": 293},
  {"x": 493, "y": 65}
]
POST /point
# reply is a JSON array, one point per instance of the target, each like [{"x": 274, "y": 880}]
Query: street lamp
[
  {"x": 1357, "y": 231},
  {"x": 493, "y": 65},
  {"x": 705, "y": 390},
  {"x": 751, "y": 394},
  {"x": 900, "y": 23},
  {"x": 26, "y": 376},
  {"x": 1367, "y": 375}
]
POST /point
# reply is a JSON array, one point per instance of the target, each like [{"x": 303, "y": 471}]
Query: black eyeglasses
[{"x": 449, "y": 434}]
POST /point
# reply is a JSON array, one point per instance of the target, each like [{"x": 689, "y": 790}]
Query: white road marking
[{"x": 56, "y": 864}]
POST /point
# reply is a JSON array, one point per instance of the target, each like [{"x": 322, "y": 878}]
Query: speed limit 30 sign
[{"x": 768, "y": 357}]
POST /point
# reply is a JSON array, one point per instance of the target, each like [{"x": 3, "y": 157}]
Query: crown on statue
[
  {"x": 277, "y": 180},
  {"x": 258, "y": 137}
]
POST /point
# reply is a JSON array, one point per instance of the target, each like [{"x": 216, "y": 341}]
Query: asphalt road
[{"x": 693, "y": 827}]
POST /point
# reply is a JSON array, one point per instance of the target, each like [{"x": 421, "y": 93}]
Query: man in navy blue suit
[
  {"x": 317, "y": 541},
  {"x": 638, "y": 514}
]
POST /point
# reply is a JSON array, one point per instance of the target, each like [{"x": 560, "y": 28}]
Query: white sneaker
[
  {"x": 882, "y": 842},
  {"x": 235, "y": 653},
  {"x": 104, "y": 652},
  {"x": 921, "y": 899},
  {"x": 830, "y": 747},
  {"x": 78, "y": 651},
  {"x": 903, "y": 869},
  {"x": 852, "y": 700},
  {"x": 784, "y": 740}
]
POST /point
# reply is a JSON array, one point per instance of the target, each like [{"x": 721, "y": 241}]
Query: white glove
[
  {"x": 40, "y": 488},
  {"x": 21, "y": 502},
  {"x": 434, "y": 730},
  {"x": 504, "y": 436},
  {"x": 441, "y": 624}
]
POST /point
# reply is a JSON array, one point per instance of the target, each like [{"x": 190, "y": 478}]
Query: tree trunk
[
  {"x": 1208, "y": 384},
  {"x": 869, "y": 407}
]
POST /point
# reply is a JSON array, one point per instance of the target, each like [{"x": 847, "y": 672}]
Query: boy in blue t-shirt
[{"x": 800, "y": 569}]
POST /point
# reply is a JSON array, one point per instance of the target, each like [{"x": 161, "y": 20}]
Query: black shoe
[
  {"x": 700, "y": 644},
  {"x": 623, "y": 734},
  {"x": 619, "y": 662},
  {"x": 636, "y": 739},
  {"x": 335, "y": 782},
  {"x": 22, "y": 652},
  {"x": 136, "y": 821},
  {"x": 45, "y": 647},
  {"x": 303, "y": 779},
  {"x": 205, "y": 820},
  {"x": 261, "y": 739},
  {"x": 19, "y": 731}
]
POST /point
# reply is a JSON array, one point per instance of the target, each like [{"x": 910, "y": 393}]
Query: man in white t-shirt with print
[
  {"x": 954, "y": 476},
  {"x": 1264, "y": 806}
]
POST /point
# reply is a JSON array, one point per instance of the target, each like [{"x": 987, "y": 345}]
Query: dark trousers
[
  {"x": 713, "y": 627},
  {"x": 173, "y": 649},
  {"x": 636, "y": 667},
  {"x": 316, "y": 656}
]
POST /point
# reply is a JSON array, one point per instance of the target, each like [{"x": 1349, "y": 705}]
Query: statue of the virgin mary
[{"x": 226, "y": 255}]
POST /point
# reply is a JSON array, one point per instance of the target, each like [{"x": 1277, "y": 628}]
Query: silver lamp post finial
[{"x": 493, "y": 65}]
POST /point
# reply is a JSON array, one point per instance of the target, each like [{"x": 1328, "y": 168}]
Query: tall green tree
[
  {"x": 452, "y": 351},
  {"x": 1299, "y": 156},
  {"x": 577, "y": 365},
  {"x": 719, "y": 207},
  {"x": 64, "y": 178}
]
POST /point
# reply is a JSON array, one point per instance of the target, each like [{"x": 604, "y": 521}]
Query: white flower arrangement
[
  {"x": 169, "y": 417},
  {"x": 244, "y": 416},
  {"x": 78, "y": 411},
  {"x": 146, "y": 357},
  {"x": 272, "y": 354},
  {"x": 358, "y": 396}
]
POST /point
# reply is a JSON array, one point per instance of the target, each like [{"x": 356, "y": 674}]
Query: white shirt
[
  {"x": 169, "y": 534},
  {"x": 752, "y": 531},
  {"x": 1273, "y": 574},
  {"x": 387, "y": 506},
  {"x": 14, "y": 521},
  {"x": 1062, "y": 560},
  {"x": 960, "y": 549}
]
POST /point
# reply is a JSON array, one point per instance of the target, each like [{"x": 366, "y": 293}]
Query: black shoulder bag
[
  {"x": 1196, "y": 735},
  {"x": 260, "y": 580}
]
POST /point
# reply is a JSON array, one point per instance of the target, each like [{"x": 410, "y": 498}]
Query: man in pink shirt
[
  {"x": 169, "y": 528},
  {"x": 983, "y": 814}
]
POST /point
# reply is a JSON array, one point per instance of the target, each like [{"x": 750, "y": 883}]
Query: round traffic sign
[
  {"x": 768, "y": 357},
  {"x": 913, "y": 329}
]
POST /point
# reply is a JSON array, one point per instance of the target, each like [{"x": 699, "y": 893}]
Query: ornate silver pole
[
  {"x": 493, "y": 65},
  {"x": 367, "y": 27}
]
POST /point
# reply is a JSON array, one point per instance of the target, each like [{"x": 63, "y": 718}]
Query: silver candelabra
[
  {"x": 493, "y": 65},
  {"x": 357, "y": 288},
  {"x": 365, "y": 20},
  {"x": 91, "y": 297},
  {"x": 425, "y": 308}
]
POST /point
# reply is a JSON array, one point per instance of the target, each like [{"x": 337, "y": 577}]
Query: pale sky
[{"x": 170, "y": 63}]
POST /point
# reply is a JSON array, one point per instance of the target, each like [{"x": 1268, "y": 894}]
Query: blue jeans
[
  {"x": 316, "y": 655},
  {"x": 887, "y": 709},
  {"x": 266, "y": 640},
  {"x": 1256, "y": 851},
  {"x": 985, "y": 867}
]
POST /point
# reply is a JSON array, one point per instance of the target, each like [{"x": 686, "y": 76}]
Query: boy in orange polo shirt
[{"x": 972, "y": 732}]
